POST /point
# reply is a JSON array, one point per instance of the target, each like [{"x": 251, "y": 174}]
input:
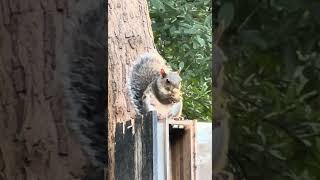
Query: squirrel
[{"x": 153, "y": 86}]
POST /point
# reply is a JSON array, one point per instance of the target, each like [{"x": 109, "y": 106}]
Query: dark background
[{"x": 272, "y": 86}]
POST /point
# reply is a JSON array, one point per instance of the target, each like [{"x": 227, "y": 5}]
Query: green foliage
[
  {"x": 272, "y": 85},
  {"x": 183, "y": 35}
]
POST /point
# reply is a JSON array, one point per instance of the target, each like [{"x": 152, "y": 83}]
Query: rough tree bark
[
  {"x": 129, "y": 35},
  {"x": 46, "y": 49},
  {"x": 220, "y": 131}
]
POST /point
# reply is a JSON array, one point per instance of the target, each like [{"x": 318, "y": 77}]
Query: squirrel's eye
[{"x": 168, "y": 81}]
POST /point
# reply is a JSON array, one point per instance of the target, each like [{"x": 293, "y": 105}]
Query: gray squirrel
[{"x": 153, "y": 86}]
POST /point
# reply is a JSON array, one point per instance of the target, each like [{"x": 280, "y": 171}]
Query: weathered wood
[
  {"x": 152, "y": 150},
  {"x": 167, "y": 151},
  {"x": 204, "y": 151},
  {"x": 135, "y": 150},
  {"x": 124, "y": 151},
  {"x": 161, "y": 153},
  {"x": 150, "y": 147},
  {"x": 182, "y": 150}
]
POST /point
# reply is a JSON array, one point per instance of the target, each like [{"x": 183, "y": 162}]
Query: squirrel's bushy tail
[{"x": 145, "y": 70}]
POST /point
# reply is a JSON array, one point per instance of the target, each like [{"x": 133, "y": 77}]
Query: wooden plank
[
  {"x": 187, "y": 153},
  {"x": 155, "y": 145},
  {"x": 176, "y": 154},
  {"x": 152, "y": 150},
  {"x": 167, "y": 151},
  {"x": 204, "y": 149},
  {"x": 124, "y": 152},
  {"x": 149, "y": 147},
  {"x": 182, "y": 150},
  {"x": 194, "y": 153},
  {"x": 161, "y": 157},
  {"x": 134, "y": 149},
  {"x": 183, "y": 122}
]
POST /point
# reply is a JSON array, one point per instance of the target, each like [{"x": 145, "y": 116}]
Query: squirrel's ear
[{"x": 163, "y": 73}]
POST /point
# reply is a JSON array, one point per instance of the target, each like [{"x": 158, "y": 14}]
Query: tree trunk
[
  {"x": 129, "y": 35},
  {"x": 47, "y": 50}
]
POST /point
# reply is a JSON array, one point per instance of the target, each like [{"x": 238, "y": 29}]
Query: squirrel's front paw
[
  {"x": 161, "y": 117},
  {"x": 152, "y": 103}
]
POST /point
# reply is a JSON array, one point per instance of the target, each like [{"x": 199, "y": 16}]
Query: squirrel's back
[{"x": 145, "y": 70}]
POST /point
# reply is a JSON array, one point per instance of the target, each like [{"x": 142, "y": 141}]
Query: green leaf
[
  {"x": 200, "y": 40},
  {"x": 158, "y": 5},
  {"x": 257, "y": 147},
  {"x": 306, "y": 142},
  {"x": 181, "y": 65},
  {"x": 308, "y": 95},
  {"x": 208, "y": 20},
  {"x": 277, "y": 154},
  {"x": 262, "y": 136}
]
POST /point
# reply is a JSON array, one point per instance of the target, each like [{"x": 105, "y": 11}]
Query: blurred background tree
[
  {"x": 272, "y": 78},
  {"x": 272, "y": 84},
  {"x": 183, "y": 35}
]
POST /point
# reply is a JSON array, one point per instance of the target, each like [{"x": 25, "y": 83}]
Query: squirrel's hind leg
[
  {"x": 176, "y": 111},
  {"x": 149, "y": 104}
]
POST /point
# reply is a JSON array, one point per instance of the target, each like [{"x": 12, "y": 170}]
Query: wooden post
[
  {"x": 155, "y": 150},
  {"x": 135, "y": 148},
  {"x": 182, "y": 149}
]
